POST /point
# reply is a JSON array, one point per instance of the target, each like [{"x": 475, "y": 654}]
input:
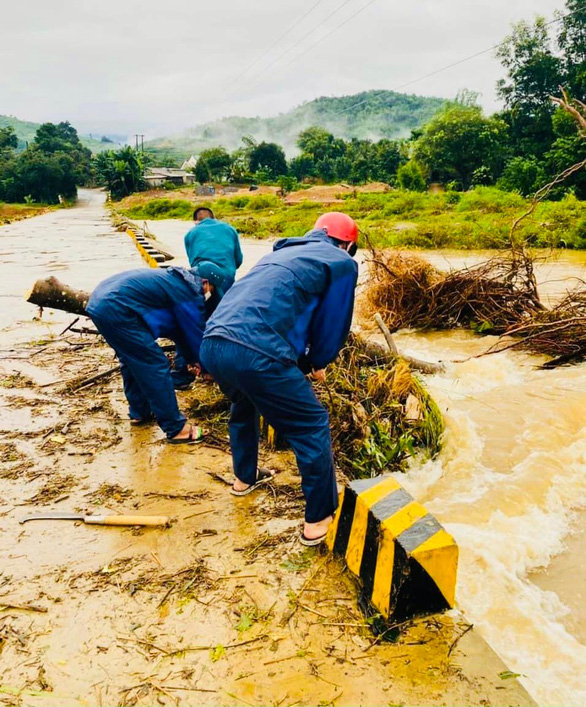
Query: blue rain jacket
[
  {"x": 170, "y": 301},
  {"x": 217, "y": 242},
  {"x": 295, "y": 305}
]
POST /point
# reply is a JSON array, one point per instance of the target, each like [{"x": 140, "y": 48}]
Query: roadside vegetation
[
  {"x": 16, "y": 212},
  {"x": 480, "y": 218}
]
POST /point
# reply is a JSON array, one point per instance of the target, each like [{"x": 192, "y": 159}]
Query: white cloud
[{"x": 159, "y": 67}]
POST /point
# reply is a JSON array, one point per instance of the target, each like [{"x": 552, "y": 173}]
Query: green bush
[
  {"x": 522, "y": 174},
  {"x": 161, "y": 209},
  {"x": 239, "y": 202},
  {"x": 489, "y": 200},
  {"x": 264, "y": 201},
  {"x": 411, "y": 175},
  {"x": 406, "y": 203}
]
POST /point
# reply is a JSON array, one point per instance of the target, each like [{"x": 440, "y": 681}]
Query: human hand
[
  {"x": 194, "y": 369},
  {"x": 319, "y": 375}
]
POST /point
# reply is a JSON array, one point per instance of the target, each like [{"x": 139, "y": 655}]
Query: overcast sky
[{"x": 158, "y": 67}]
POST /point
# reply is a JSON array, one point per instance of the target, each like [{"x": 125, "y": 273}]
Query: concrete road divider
[
  {"x": 407, "y": 563},
  {"x": 150, "y": 254}
]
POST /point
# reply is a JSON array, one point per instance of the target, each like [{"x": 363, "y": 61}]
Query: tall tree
[
  {"x": 572, "y": 43},
  {"x": 213, "y": 165},
  {"x": 8, "y": 139},
  {"x": 459, "y": 141},
  {"x": 121, "y": 171},
  {"x": 534, "y": 73},
  {"x": 268, "y": 156}
]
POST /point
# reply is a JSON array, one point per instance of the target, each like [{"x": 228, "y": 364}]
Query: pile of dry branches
[
  {"x": 559, "y": 332},
  {"x": 492, "y": 296},
  {"x": 498, "y": 296}
]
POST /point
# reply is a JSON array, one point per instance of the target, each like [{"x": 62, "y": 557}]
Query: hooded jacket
[
  {"x": 170, "y": 301},
  {"x": 295, "y": 305}
]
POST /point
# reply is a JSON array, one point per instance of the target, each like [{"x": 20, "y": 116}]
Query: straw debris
[{"x": 369, "y": 399}]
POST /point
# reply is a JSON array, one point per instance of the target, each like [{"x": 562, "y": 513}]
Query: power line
[
  {"x": 457, "y": 63},
  {"x": 293, "y": 46},
  {"x": 274, "y": 44},
  {"x": 322, "y": 39}
]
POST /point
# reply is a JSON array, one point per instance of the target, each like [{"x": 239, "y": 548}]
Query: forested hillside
[
  {"x": 368, "y": 115},
  {"x": 25, "y": 132}
]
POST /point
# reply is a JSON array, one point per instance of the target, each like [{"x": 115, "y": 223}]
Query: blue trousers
[
  {"x": 146, "y": 376},
  {"x": 180, "y": 375},
  {"x": 258, "y": 385}
]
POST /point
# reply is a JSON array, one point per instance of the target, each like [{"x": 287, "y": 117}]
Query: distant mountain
[
  {"x": 371, "y": 114},
  {"x": 25, "y": 132}
]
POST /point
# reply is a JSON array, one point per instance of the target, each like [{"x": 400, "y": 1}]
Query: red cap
[{"x": 339, "y": 226}]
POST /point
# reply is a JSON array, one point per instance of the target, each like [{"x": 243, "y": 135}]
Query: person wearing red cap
[{"x": 288, "y": 317}]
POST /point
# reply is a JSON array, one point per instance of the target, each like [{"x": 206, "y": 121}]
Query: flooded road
[
  {"x": 510, "y": 484},
  {"x": 77, "y": 245}
]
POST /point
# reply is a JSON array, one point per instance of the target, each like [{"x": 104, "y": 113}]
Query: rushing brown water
[{"x": 510, "y": 483}]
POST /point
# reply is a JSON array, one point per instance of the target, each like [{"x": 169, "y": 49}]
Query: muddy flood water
[{"x": 223, "y": 608}]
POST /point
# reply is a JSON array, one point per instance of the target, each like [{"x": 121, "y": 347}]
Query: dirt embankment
[
  {"x": 322, "y": 194},
  {"x": 224, "y": 607},
  {"x": 17, "y": 212}
]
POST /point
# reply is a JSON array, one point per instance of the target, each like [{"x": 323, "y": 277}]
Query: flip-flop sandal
[
  {"x": 191, "y": 439},
  {"x": 262, "y": 477},
  {"x": 311, "y": 542}
]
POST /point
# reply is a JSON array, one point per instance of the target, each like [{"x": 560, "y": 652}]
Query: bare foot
[
  {"x": 239, "y": 485},
  {"x": 239, "y": 488},
  {"x": 317, "y": 530}
]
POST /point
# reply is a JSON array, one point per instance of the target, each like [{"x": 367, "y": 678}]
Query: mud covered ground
[{"x": 223, "y": 607}]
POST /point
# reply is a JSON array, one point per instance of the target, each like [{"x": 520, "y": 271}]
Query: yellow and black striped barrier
[
  {"x": 151, "y": 255},
  {"x": 269, "y": 433},
  {"x": 407, "y": 563}
]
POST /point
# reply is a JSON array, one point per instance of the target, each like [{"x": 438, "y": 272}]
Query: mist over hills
[{"x": 368, "y": 115}]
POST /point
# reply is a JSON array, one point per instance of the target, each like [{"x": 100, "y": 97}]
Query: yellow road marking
[
  {"x": 357, "y": 538},
  {"x": 376, "y": 493}
]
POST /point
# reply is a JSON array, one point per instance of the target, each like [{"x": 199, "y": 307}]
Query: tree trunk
[{"x": 52, "y": 293}]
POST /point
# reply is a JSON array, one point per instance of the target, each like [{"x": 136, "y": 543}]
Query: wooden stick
[
  {"x": 22, "y": 607},
  {"x": 415, "y": 363},
  {"x": 94, "y": 379}
]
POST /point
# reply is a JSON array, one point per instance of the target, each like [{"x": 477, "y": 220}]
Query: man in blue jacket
[
  {"x": 289, "y": 316},
  {"x": 212, "y": 241},
  {"x": 133, "y": 309}
]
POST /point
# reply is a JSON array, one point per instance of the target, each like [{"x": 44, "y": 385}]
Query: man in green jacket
[{"x": 214, "y": 242}]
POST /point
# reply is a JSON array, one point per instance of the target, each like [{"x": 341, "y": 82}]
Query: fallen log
[{"x": 51, "y": 292}]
